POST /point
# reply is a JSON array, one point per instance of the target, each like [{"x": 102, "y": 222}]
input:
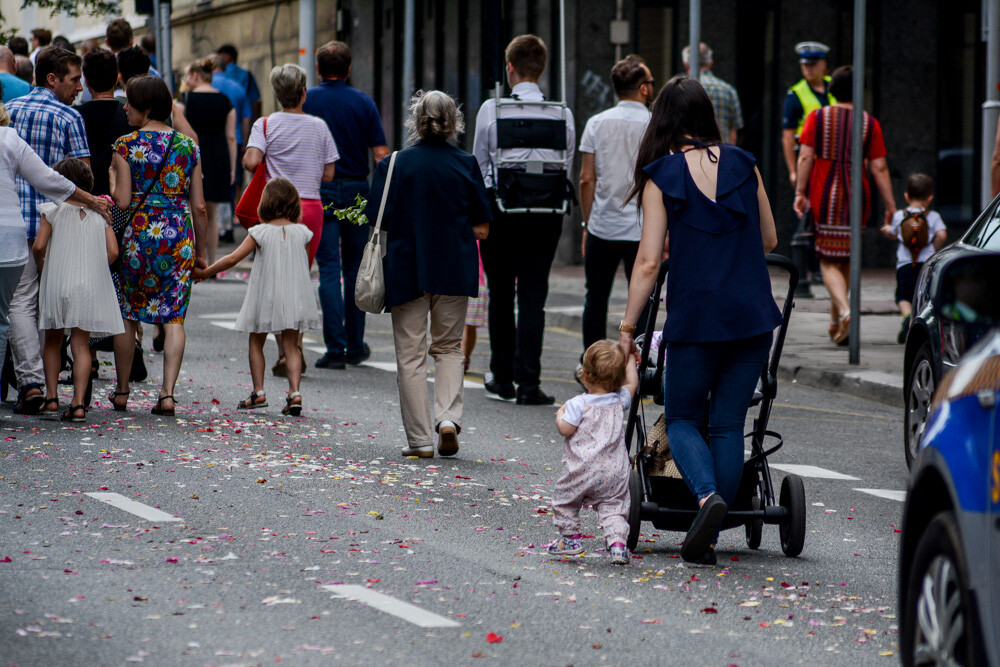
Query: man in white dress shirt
[
  {"x": 608, "y": 150},
  {"x": 518, "y": 254}
]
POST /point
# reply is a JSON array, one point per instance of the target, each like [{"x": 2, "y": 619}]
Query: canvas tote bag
[{"x": 369, "y": 291}]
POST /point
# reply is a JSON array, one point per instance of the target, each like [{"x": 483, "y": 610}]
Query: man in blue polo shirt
[
  {"x": 243, "y": 77},
  {"x": 356, "y": 127},
  {"x": 12, "y": 86}
]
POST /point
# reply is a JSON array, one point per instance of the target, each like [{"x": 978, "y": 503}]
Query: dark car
[
  {"x": 932, "y": 346},
  {"x": 949, "y": 562}
]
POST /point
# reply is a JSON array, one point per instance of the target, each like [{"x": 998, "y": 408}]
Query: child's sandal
[
  {"x": 251, "y": 402},
  {"x": 293, "y": 409}
]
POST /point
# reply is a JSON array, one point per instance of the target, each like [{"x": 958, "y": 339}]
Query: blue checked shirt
[
  {"x": 54, "y": 131},
  {"x": 728, "y": 113}
]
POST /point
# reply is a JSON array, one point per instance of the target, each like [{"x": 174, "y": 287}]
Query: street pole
[
  {"x": 409, "y": 21},
  {"x": 562, "y": 49},
  {"x": 307, "y": 39},
  {"x": 991, "y": 105},
  {"x": 694, "y": 26},
  {"x": 857, "y": 174},
  {"x": 163, "y": 43}
]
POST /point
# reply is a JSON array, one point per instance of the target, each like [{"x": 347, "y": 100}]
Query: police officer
[
  {"x": 518, "y": 254},
  {"x": 809, "y": 94}
]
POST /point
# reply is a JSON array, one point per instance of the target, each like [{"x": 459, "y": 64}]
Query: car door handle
[{"x": 987, "y": 399}]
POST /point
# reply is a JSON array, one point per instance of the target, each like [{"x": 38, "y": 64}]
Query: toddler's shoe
[
  {"x": 566, "y": 546},
  {"x": 619, "y": 554}
]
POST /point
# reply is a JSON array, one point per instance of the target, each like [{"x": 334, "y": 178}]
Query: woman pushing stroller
[{"x": 721, "y": 311}]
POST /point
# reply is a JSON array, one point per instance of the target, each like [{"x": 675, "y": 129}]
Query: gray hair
[
  {"x": 288, "y": 81},
  {"x": 434, "y": 116},
  {"x": 704, "y": 55}
]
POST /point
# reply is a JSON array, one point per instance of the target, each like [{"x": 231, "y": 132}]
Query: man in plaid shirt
[
  {"x": 54, "y": 131},
  {"x": 728, "y": 113}
]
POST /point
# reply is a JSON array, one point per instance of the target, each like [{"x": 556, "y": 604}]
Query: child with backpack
[{"x": 921, "y": 233}]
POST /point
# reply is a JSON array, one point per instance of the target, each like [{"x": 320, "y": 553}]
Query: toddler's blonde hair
[{"x": 604, "y": 365}]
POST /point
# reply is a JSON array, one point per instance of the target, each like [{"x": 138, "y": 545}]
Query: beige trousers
[{"x": 409, "y": 333}]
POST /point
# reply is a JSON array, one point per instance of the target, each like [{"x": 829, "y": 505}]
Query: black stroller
[{"x": 660, "y": 496}]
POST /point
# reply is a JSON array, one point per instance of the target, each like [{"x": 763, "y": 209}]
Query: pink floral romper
[{"x": 595, "y": 466}]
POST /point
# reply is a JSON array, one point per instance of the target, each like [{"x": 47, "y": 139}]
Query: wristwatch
[{"x": 626, "y": 328}]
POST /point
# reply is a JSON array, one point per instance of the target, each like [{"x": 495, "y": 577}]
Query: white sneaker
[
  {"x": 448, "y": 438},
  {"x": 425, "y": 452}
]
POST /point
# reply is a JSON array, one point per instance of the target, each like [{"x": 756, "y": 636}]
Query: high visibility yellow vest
[{"x": 807, "y": 98}]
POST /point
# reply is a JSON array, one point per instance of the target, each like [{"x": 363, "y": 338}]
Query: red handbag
[{"x": 246, "y": 209}]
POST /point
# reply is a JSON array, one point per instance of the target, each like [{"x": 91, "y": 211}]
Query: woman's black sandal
[
  {"x": 118, "y": 407},
  {"x": 163, "y": 412},
  {"x": 293, "y": 409},
  {"x": 251, "y": 403},
  {"x": 69, "y": 415},
  {"x": 46, "y": 412}
]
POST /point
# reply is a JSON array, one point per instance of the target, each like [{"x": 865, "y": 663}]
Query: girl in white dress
[
  {"x": 73, "y": 249},
  {"x": 280, "y": 296}
]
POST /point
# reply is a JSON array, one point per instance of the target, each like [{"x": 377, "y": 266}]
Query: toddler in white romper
[{"x": 595, "y": 462}]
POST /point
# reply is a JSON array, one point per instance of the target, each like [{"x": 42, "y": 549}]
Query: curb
[{"x": 871, "y": 385}]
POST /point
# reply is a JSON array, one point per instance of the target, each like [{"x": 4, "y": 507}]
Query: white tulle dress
[
  {"x": 280, "y": 294},
  {"x": 76, "y": 289}
]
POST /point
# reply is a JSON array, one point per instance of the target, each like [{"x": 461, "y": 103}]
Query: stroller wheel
[
  {"x": 634, "y": 509},
  {"x": 754, "y": 527},
  {"x": 793, "y": 529}
]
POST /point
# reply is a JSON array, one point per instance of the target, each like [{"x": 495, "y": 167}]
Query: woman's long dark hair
[{"x": 682, "y": 113}]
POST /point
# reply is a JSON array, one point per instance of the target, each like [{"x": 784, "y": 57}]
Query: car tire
[
  {"x": 920, "y": 385},
  {"x": 938, "y": 624}
]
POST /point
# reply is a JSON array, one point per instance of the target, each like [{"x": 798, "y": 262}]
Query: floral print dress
[{"x": 158, "y": 247}]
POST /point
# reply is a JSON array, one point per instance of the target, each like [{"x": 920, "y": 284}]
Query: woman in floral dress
[{"x": 160, "y": 246}]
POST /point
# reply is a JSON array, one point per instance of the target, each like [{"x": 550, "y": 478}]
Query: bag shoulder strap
[
  {"x": 159, "y": 172},
  {"x": 385, "y": 193}
]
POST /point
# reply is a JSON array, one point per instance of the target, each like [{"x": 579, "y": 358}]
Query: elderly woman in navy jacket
[{"x": 435, "y": 211}]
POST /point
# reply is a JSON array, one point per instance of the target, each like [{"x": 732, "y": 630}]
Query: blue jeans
[
  {"x": 339, "y": 253},
  {"x": 720, "y": 377}
]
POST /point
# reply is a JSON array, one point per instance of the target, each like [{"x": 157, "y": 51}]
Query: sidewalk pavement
[{"x": 809, "y": 357}]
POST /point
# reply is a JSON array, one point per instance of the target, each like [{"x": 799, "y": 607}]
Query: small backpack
[{"x": 914, "y": 231}]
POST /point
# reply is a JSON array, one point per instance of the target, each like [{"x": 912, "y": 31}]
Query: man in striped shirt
[
  {"x": 728, "y": 112},
  {"x": 54, "y": 131}
]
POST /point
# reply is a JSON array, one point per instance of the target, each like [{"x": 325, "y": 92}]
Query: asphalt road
[{"x": 279, "y": 534}]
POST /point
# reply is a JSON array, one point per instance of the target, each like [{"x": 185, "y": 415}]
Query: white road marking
[
  {"x": 133, "y": 507},
  {"x": 390, "y": 605},
  {"x": 390, "y": 367},
  {"x": 811, "y": 471},
  {"x": 888, "y": 494}
]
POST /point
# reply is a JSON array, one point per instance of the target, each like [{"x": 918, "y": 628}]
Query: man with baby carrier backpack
[{"x": 524, "y": 146}]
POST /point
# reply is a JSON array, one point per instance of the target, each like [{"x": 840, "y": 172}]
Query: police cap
[{"x": 809, "y": 52}]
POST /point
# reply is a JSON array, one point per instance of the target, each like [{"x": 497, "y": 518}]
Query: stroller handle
[
  {"x": 770, "y": 371},
  {"x": 654, "y": 301}
]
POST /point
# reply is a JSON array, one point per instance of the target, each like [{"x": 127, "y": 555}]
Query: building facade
[{"x": 924, "y": 78}]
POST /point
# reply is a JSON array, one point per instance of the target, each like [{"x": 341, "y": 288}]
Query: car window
[
  {"x": 990, "y": 238},
  {"x": 985, "y": 233}
]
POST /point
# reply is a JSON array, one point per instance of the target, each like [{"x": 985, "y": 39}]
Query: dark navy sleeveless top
[{"x": 718, "y": 287}]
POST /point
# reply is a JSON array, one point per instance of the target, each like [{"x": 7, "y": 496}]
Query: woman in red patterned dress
[{"x": 825, "y": 167}]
